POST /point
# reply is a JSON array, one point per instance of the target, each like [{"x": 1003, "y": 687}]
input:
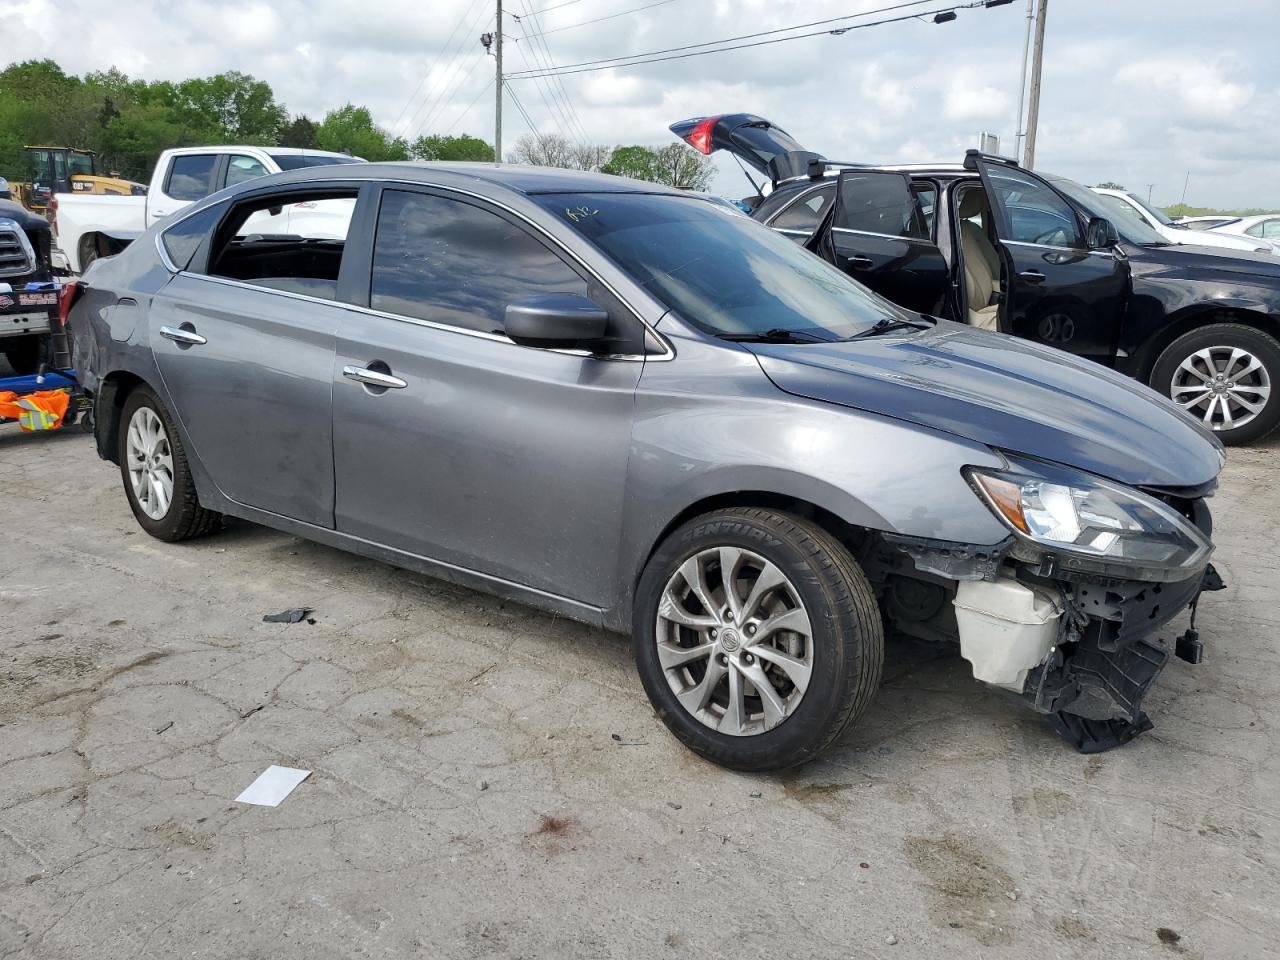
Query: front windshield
[
  {"x": 1127, "y": 221},
  {"x": 1157, "y": 215},
  {"x": 81, "y": 164},
  {"x": 721, "y": 271}
]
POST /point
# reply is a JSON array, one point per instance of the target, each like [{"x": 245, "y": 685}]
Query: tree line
[{"x": 128, "y": 122}]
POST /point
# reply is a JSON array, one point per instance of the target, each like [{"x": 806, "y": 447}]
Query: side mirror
[
  {"x": 555, "y": 320},
  {"x": 1100, "y": 234}
]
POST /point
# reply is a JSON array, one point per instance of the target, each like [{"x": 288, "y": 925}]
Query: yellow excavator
[{"x": 66, "y": 170}]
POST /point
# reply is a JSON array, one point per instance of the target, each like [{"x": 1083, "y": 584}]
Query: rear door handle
[
  {"x": 860, "y": 262},
  {"x": 1032, "y": 276},
  {"x": 182, "y": 335},
  {"x": 374, "y": 378}
]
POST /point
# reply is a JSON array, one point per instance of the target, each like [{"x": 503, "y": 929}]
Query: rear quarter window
[{"x": 183, "y": 239}]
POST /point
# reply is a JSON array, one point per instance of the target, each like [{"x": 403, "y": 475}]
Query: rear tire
[
  {"x": 156, "y": 474},
  {"x": 1226, "y": 375},
  {"x": 22, "y": 353},
  {"x": 821, "y": 675}
]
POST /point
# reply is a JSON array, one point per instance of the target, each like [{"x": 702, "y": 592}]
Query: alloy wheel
[
  {"x": 1227, "y": 386},
  {"x": 734, "y": 641},
  {"x": 150, "y": 463}
]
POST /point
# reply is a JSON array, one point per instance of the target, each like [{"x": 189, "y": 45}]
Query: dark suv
[
  {"x": 28, "y": 296},
  {"x": 1037, "y": 256}
]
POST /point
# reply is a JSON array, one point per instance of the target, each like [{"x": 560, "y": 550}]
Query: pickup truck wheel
[
  {"x": 22, "y": 353},
  {"x": 157, "y": 477},
  {"x": 1228, "y": 376},
  {"x": 757, "y": 638}
]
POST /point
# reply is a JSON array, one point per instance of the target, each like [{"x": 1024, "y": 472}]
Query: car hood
[{"x": 1007, "y": 393}]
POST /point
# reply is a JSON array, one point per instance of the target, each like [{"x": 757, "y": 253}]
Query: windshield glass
[
  {"x": 1157, "y": 215},
  {"x": 81, "y": 164},
  {"x": 1127, "y": 221},
  {"x": 722, "y": 272},
  {"x": 296, "y": 161}
]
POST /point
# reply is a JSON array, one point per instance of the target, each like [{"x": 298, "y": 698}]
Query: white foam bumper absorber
[{"x": 1006, "y": 629}]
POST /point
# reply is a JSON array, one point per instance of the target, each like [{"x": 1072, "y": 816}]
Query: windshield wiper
[
  {"x": 885, "y": 324},
  {"x": 775, "y": 335}
]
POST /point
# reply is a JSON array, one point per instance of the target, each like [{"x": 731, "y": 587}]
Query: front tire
[
  {"x": 757, "y": 638},
  {"x": 1228, "y": 376},
  {"x": 156, "y": 474}
]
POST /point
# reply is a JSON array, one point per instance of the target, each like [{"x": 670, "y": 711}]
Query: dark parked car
[
  {"x": 28, "y": 298},
  {"x": 993, "y": 245},
  {"x": 643, "y": 410}
]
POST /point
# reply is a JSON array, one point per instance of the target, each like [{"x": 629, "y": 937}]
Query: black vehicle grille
[{"x": 14, "y": 258}]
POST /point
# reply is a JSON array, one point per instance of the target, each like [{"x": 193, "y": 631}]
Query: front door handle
[
  {"x": 1032, "y": 276},
  {"x": 860, "y": 262},
  {"x": 182, "y": 335},
  {"x": 374, "y": 378}
]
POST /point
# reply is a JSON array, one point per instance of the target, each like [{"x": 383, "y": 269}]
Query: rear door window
[
  {"x": 803, "y": 215},
  {"x": 191, "y": 176},
  {"x": 241, "y": 168},
  {"x": 454, "y": 263},
  {"x": 882, "y": 203}
]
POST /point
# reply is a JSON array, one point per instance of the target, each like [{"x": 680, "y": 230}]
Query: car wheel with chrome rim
[
  {"x": 1226, "y": 376},
  {"x": 758, "y": 638}
]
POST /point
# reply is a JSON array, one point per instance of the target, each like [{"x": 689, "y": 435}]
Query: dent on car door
[
  {"x": 498, "y": 458},
  {"x": 1056, "y": 290},
  {"x": 244, "y": 339},
  {"x": 879, "y": 234}
]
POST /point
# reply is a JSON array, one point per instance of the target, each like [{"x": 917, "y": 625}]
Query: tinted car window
[
  {"x": 722, "y": 272},
  {"x": 296, "y": 161},
  {"x": 241, "y": 168},
  {"x": 191, "y": 176},
  {"x": 804, "y": 214},
  {"x": 1042, "y": 215},
  {"x": 879, "y": 203},
  {"x": 183, "y": 239},
  {"x": 451, "y": 262}
]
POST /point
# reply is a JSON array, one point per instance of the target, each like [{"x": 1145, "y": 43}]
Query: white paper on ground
[{"x": 272, "y": 786}]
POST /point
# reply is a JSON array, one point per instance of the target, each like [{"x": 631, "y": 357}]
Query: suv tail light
[
  {"x": 71, "y": 292},
  {"x": 700, "y": 136}
]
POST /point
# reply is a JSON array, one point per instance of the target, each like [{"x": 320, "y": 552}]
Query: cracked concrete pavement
[{"x": 140, "y": 693}]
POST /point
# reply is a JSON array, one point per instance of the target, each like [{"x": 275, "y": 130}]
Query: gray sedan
[{"x": 642, "y": 410}]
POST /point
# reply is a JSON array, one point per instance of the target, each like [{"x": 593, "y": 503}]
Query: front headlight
[{"x": 1101, "y": 525}]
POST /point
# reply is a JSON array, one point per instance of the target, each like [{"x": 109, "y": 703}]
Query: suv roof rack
[{"x": 818, "y": 166}]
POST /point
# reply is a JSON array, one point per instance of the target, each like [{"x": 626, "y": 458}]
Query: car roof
[{"x": 518, "y": 177}]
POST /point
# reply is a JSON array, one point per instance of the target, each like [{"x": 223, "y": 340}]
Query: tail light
[
  {"x": 71, "y": 291},
  {"x": 700, "y": 136},
  {"x": 53, "y": 216}
]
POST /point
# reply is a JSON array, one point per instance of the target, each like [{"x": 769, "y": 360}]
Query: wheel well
[
  {"x": 853, "y": 537},
  {"x": 1152, "y": 349},
  {"x": 100, "y": 244},
  {"x": 108, "y": 405}
]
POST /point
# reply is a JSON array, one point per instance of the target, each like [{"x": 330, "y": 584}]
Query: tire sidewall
[
  {"x": 166, "y": 528},
  {"x": 1260, "y": 344},
  {"x": 801, "y": 735}
]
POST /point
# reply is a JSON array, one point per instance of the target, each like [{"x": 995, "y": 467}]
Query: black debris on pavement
[{"x": 292, "y": 615}]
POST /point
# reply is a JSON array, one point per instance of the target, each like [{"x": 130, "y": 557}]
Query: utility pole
[
  {"x": 1019, "y": 133},
  {"x": 497, "y": 103},
  {"x": 1186, "y": 183},
  {"x": 1149, "y": 187},
  {"x": 1033, "y": 107}
]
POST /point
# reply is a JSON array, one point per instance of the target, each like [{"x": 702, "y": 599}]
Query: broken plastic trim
[{"x": 955, "y": 561}]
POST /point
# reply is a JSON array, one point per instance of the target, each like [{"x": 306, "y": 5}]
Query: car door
[
  {"x": 1057, "y": 290},
  {"x": 879, "y": 234},
  {"x": 454, "y": 443},
  {"x": 244, "y": 338}
]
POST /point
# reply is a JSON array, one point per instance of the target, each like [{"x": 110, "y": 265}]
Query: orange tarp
[{"x": 42, "y": 410}]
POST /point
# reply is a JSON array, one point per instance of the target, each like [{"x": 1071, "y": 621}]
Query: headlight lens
[{"x": 1087, "y": 516}]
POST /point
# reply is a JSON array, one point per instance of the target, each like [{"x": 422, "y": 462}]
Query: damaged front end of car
[{"x": 1067, "y": 612}]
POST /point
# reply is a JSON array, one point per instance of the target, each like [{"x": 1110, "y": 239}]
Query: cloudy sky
[{"x": 1140, "y": 92}]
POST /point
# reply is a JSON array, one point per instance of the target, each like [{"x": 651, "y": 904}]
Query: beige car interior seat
[{"x": 981, "y": 262}]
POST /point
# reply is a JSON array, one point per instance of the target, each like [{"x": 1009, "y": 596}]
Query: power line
[
  {"x": 434, "y": 106},
  {"x": 572, "y": 122},
  {"x": 524, "y": 113},
  {"x": 652, "y": 56},
  {"x": 421, "y": 83},
  {"x": 467, "y": 109},
  {"x": 535, "y": 13},
  {"x": 612, "y": 16}
]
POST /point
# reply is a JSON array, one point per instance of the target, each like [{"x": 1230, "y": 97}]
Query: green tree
[
  {"x": 241, "y": 108},
  {"x": 682, "y": 167},
  {"x": 444, "y": 147},
  {"x": 639, "y": 163},
  {"x": 299, "y": 132},
  {"x": 350, "y": 129}
]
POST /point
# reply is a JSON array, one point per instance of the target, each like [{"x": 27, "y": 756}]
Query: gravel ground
[{"x": 490, "y": 782}]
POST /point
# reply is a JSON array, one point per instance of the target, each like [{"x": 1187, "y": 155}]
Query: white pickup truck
[{"x": 86, "y": 227}]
